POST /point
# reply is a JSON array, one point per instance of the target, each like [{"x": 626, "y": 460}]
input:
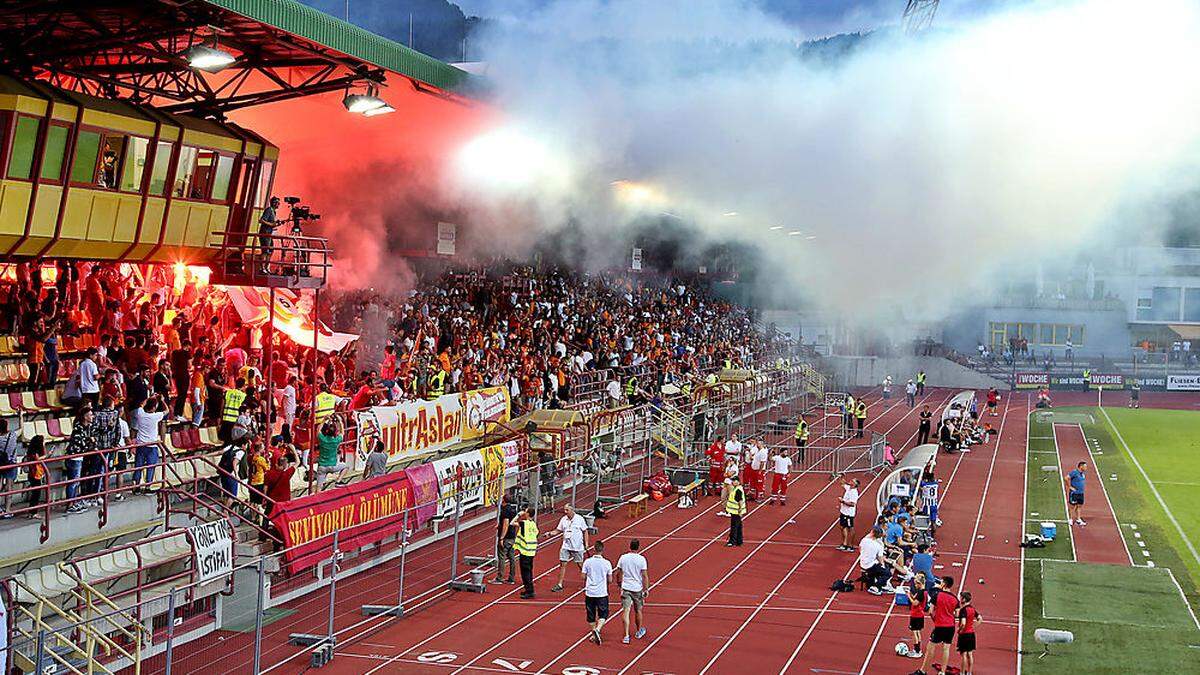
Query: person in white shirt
[
  {"x": 847, "y": 507},
  {"x": 597, "y": 572},
  {"x": 871, "y": 562},
  {"x": 910, "y": 394},
  {"x": 781, "y": 466},
  {"x": 575, "y": 540},
  {"x": 147, "y": 431},
  {"x": 760, "y": 462},
  {"x": 89, "y": 378},
  {"x": 613, "y": 390},
  {"x": 635, "y": 584}
]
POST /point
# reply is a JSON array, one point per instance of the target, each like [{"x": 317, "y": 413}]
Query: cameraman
[{"x": 267, "y": 223}]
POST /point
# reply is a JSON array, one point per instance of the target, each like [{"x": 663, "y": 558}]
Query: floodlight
[{"x": 208, "y": 58}]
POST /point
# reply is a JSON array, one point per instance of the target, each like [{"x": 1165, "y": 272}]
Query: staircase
[
  {"x": 814, "y": 384},
  {"x": 671, "y": 429},
  {"x": 48, "y": 636}
]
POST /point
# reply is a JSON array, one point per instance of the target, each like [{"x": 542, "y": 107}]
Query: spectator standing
[
  {"x": 279, "y": 483},
  {"x": 89, "y": 377},
  {"x": 9, "y": 446},
  {"x": 574, "y": 542},
  {"x": 1076, "y": 482},
  {"x": 910, "y": 394},
  {"x": 36, "y": 468},
  {"x": 506, "y": 535},
  {"x": 847, "y": 508},
  {"x": 83, "y": 440},
  {"x": 635, "y": 584},
  {"x": 924, "y": 428},
  {"x": 329, "y": 442},
  {"x": 148, "y": 427},
  {"x": 377, "y": 460},
  {"x": 597, "y": 573}
]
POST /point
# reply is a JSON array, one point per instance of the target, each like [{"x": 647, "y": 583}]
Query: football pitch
[{"x": 1125, "y": 618}]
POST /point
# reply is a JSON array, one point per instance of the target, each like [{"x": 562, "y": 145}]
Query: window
[
  {"x": 158, "y": 173},
  {"x": 55, "y": 154},
  {"x": 998, "y": 337},
  {"x": 134, "y": 166},
  {"x": 1057, "y": 334},
  {"x": 87, "y": 150},
  {"x": 1191, "y": 305},
  {"x": 1047, "y": 334},
  {"x": 202, "y": 181},
  {"x": 20, "y": 163},
  {"x": 185, "y": 169},
  {"x": 1145, "y": 309},
  {"x": 264, "y": 184},
  {"x": 221, "y": 177},
  {"x": 1166, "y": 303}
]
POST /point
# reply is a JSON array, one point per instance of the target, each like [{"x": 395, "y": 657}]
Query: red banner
[{"x": 362, "y": 513}]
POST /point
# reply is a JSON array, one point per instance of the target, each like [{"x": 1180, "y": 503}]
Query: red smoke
[{"x": 376, "y": 181}]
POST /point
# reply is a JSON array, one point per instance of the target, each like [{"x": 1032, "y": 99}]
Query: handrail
[
  {"x": 103, "y": 494},
  {"x": 199, "y": 496},
  {"x": 253, "y": 254}
]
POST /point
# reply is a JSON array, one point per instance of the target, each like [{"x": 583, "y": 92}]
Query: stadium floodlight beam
[
  {"x": 381, "y": 110},
  {"x": 209, "y": 58}
]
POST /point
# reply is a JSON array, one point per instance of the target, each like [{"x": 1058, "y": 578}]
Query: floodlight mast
[{"x": 918, "y": 15}]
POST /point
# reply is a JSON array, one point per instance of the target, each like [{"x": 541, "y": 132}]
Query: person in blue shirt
[
  {"x": 893, "y": 532},
  {"x": 922, "y": 563},
  {"x": 1076, "y": 481}
]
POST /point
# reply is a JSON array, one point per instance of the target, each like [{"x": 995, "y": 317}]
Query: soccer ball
[{"x": 901, "y": 649}]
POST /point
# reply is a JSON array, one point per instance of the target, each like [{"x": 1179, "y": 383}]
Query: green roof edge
[{"x": 330, "y": 31}]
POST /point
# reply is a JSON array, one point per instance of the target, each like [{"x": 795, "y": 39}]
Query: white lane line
[{"x": 1103, "y": 489}]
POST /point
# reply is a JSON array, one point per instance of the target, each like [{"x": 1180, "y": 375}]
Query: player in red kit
[{"x": 716, "y": 463}]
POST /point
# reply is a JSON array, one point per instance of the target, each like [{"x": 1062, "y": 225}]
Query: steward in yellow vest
[
  {"x": 437, "y": 383},
  {"x": 860, "y": 413},
  {"x": 735, "y": 506},
  {"x": 231, "y": 407},
  {"x": 324, "y": 405},
  {"x": 526, "y": 547}
]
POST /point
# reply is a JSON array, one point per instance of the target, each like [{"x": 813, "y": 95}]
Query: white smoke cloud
[{"x": 917, "y": 170}]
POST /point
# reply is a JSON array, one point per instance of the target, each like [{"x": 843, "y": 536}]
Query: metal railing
[{"x": 252, "y": 259}]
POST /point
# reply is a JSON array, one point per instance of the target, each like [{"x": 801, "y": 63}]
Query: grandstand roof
[{"x": 134, "y": 49}]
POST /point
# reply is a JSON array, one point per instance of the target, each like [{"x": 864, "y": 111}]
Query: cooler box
[{"x": 1049, "y": 530}]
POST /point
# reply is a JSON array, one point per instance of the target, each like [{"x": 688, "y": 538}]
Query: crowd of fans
[{"x": 165, "y": 348}]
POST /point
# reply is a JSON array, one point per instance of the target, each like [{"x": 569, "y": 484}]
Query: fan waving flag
[{"x": 292, "y": 318}]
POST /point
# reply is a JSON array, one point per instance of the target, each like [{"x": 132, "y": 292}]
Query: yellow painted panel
[
  {"x": 116, "y": 122},
  {"x": 14, "y": 199},
  {"x": 152, "y": 221},
  {"x": 30, "y": 105},
  {"x": 192, "y": 137},
  {"x": 197, "y": 226},
  {"x": 104, "y": 216},
  {"x": 127, "y": 215},
  {"x": 79, "y": 212},
  {"x": 177, "y": 218},
  {"x": 45, "y": 209},
  {"x": 271, "y": 153}
]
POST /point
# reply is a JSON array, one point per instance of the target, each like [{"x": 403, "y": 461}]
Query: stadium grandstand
[{"x": 273, "y": 399}]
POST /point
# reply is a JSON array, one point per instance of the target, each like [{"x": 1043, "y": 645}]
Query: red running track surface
[
  {"x": 1099, "y": 541},
  {"x": 709, "y": 606}
]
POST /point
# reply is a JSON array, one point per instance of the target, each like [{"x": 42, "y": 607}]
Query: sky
[{"x": 814, "y": 18}]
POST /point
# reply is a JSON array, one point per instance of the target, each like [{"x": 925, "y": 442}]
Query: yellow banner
[{"x": 484, "y": 407}]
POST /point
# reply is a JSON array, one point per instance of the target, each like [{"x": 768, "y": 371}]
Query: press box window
[
  {"x": 134, "y": 166},
  {"x": 20, "y": 162},
  {"x": 221, "y": 178},
  {"x": 87, "y": 150},
  {"x": 55, "y": 154},
  {"x": 158, "y": 173},
  {"x": 185, "y": 170}
]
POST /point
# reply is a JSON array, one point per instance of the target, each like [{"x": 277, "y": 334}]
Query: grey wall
[
  {"x": 869, "y": 371},
  {"x": 1106, "y": 331}
]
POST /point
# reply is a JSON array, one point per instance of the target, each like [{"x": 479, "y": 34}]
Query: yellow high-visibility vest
[
  {"x": 861, "y": 411},
  {"x": 437, "y": 384},
  {"x": 728, "y": 364},
  {"x": 233, "y": 404},
  {"x": 921, "y": 377},
  {"x": 802, "y": 430},
  {"x": 686, "y": 389},
  {"x": 325, "y": 404},
  {"x": 631, "y": 386},
  {"x": 527, "y": 536},
  {"x": 734, "y": 506}
]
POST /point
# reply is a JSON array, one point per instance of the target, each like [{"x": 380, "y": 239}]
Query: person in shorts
[
  {"x": 945, "y": 609},
  {"x": 967, "y": 618},
  {"x": 1076, "y": 482},
  {"x": 635, "y": 583},
  {"x": 574, "y": 531},
  {"x": 918, "y": 598},
  {"x": 597, "y": 572},
  {"x": 847, "y": 507}
]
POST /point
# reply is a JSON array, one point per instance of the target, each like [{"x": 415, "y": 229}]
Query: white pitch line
[{"x": 1174, "y": 521}]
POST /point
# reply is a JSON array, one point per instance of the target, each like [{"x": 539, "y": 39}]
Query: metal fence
[{"x": 278, "y": 612}]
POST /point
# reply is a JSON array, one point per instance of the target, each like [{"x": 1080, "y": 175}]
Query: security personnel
[
  {"x": 728, "y": 363},
  {"x": 686, "y": 389},
  {"x": 231, "y": 407},
  {"x": 860, "y": 413},
  {"x": 1087, "y": 378},
  {"x": 735, "y": 506},
  {"x": 631, "y": 386},
  {"x": 801, "y": 437},
  {"x": 526, "y": 547},
  {"x": 921, "y": 383},
  {"x": 848, "y": 413},
  {"x": 437, "y": 383},
  {"x": 325, "y": 403}
]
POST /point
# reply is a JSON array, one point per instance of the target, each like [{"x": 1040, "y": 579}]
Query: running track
[
  {"x": 764, "y": 606},
  {"x": 1099, "y": 541}
]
